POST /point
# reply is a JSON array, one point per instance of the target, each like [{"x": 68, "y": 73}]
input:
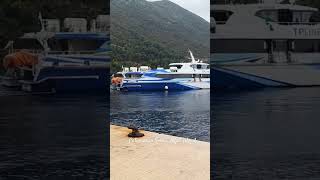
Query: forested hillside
[{"x": 155, "y": 33}]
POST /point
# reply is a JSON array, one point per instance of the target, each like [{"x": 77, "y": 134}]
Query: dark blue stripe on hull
[
  {"x": 73, "y": 79},
  {"x": 224, "y": 80},
  {"x": 102, "y": 72},
  {"x": 155, "y": 87}
]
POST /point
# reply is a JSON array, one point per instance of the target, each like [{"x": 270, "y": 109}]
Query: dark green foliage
[{"x": 155, "y": 33}]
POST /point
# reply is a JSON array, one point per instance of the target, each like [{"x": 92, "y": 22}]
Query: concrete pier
[{"x": 157, "y": 156}]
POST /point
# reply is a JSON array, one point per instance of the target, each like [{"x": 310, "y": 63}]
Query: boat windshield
[
  {"x": 28, "y": 44},
  {"x": 221, "y": 16},
  {"x": 200, "y": 66},
  {"x": 178, "y": 66},
  {"x": 70, "y": 46},
  {"x": 118, "y": 75}
]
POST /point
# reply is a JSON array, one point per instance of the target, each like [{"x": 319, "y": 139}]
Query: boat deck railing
[
  {"x": 105, "y": 29},
  {"x": 37, "y": 51},
  {"x": 297, "y": 23},
  {"x": 71, "y": 52},
  {"x": 78, "y": 25},
  {"x": 280, "y": 23}
]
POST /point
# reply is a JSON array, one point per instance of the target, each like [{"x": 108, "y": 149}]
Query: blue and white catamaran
[
  {"x": 56, "y": 59},
  {"x": 193, "y": 75}
]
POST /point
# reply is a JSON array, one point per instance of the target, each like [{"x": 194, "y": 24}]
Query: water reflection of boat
[
  {"x": 180, "y": 76},
  {"x": 75, "y": 60}
]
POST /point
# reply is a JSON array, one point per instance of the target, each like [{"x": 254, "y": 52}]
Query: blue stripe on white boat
[
  {"x": 88, "y": 57},
  {"x": 172, "y": 86},
  {"x": 75, "y": 59},
  {"x": 225, "y": 58},
  {"x": 192, "y": 87},
  {"x": 82, "y": 36},
  {"x": 244, "y": 79}
]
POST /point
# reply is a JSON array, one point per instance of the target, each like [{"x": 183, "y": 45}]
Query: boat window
[
  {"x": 28, "y": 44},
  {"x": 172, "y": 76},
  {"x": 117, "y": 75},
  {"x": 268, "y": 15},
  {"x": 286, "y": 16},
  {"x": 221, "y": 16},
  {"x": 133, "y": 76},
  {"x": 205, "y": 75},
  {"x": 74, "y": 46},
  {"x": 199, "y": 66},
  {"x": 178, "y": 66},
  {"x": 314, "y": 17}
]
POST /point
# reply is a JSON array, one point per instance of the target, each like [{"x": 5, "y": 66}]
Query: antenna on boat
[
  {"x": 41, "y": 21},
  {"x": 42, "y": 35},
  {"x": 192, "y": 57},
  {"x": 292, "y": 1}
]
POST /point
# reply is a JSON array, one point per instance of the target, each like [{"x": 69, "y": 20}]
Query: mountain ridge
[{"x": 156, "y": 32}]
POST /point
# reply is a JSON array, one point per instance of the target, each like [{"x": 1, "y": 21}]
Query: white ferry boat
[
  {"x": 265, "y": 44},
  {"x": 193, "y": 75},
  {"x": 71, "y": 58}
]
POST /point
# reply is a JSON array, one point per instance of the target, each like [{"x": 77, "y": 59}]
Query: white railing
[
  {"x": 36, "y": 51},
  {"x": 33, "y": 51},
  {"x": 281, "y": 23},
  {"x": 53, "y": 25},
  {"x": 297, "y": 23}
]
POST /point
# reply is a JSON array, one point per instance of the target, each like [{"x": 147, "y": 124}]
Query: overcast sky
[{"x": 199, "y": 7}]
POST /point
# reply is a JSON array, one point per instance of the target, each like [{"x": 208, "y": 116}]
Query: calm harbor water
[
  {"x": 266, "y": 134},
  {"x": 53, "y": 136},
  {"x": 183, "y": 114},
  {"x": 263, "y": 134}
]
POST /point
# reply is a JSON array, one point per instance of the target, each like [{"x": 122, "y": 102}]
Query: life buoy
[{"x": 116, "y": 80}]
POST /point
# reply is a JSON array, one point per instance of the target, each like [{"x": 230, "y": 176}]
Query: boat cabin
[{"x": 183, "y": 67}]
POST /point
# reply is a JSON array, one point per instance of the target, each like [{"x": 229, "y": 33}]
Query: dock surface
[{"x": 157, "y": 156}]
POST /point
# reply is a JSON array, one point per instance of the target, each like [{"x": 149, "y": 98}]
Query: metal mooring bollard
[{"x": 135, "y": 132}]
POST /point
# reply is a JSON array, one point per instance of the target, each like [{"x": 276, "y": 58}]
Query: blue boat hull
[
  {"x": 69, "y": 79},
  {"x": 228, "y": 78},
  {"x": 156, "y": 86},
  {"x": 227, "y": 81}
]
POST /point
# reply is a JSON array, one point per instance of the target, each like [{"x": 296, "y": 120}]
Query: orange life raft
[
  {"x": 20, "y": 59},
  {"x": 116, "y": 80}
]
